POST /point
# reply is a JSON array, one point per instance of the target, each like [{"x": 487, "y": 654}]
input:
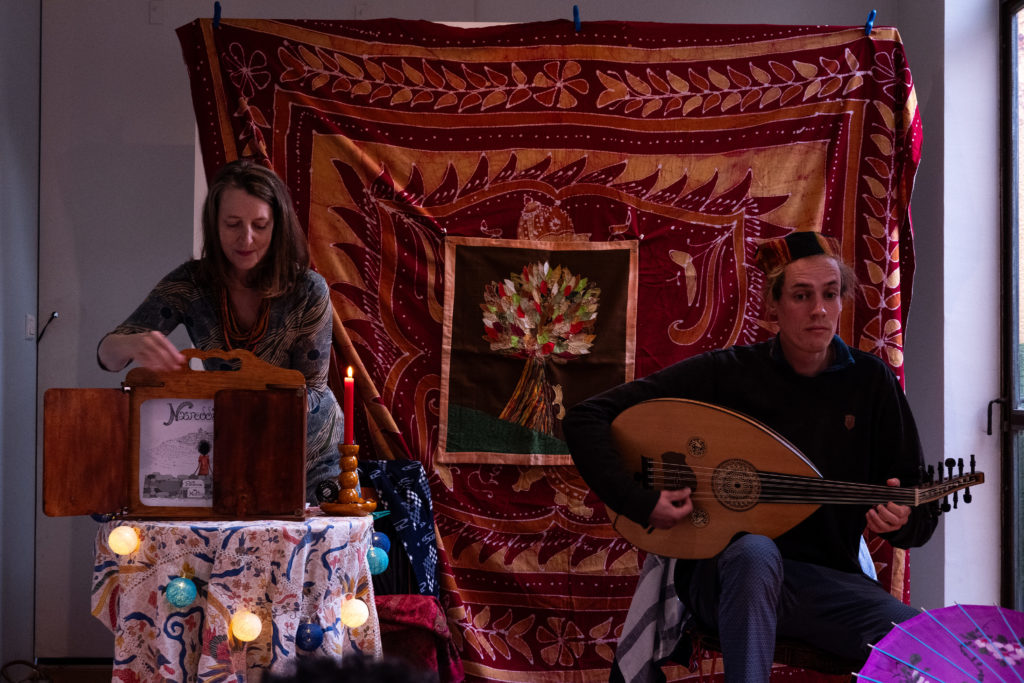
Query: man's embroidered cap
[{"x": 782, "y": 251}]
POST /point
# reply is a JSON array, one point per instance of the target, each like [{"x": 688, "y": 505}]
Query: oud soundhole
[{"x": 736, "y": 485}]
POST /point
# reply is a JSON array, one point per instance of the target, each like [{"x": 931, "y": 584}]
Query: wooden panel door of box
[
  {"x": 91, "y": 451},
  {"x": 85, "y": 446}
]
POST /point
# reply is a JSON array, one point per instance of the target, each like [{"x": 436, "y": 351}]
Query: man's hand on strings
[
  {"x": 883, "y": 519},
  {"x": 672, "y": 506}
]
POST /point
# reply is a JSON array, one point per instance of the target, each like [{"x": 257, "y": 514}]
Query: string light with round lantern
[
  {"x": 377, "y": 558},
  {"x": 381, "y": 540},
  {"x": 354, "y": 613},
  {"x": 180, "y": 591},
  {"x": 309, "y": 636},
  {"x": 123, "y": 540},
  {"x": 245, "y": 626}
]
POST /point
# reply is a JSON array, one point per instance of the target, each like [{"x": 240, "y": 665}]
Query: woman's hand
[
  {"x": 672, "y": 506},
  {"x": 883, "y": 519},
  {"x": 148, "y": 349}
]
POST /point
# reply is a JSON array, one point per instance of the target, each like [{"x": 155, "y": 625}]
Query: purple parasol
[{"x": 953, "y": 644}]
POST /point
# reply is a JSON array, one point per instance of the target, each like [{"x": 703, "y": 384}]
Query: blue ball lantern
[
  {"x": 381, "y": 540},
  {"x": 180, "y": 592},
  {"x": 309, "y": 637},
  {"x": 378, "y": 560}
]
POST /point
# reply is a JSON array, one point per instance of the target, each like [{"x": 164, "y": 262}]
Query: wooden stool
[{"x": 789, "y": 652}]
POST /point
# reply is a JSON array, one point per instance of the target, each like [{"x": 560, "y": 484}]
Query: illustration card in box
[{"x": 176, "y": 452}]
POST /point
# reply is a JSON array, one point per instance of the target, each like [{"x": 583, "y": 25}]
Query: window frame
[{"x": 1011, "y": 424}]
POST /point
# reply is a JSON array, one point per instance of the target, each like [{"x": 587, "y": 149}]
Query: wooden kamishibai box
[{"x": 186, "y": 444}]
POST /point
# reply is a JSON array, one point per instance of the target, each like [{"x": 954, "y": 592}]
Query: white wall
[
  {"x": 952, "y": 346},
  {"x": 19, "y": 186},
  {"x": 921, "y": 26},
  {"x": 971, "y": 294},
  {"x": 117, "y": 195}
]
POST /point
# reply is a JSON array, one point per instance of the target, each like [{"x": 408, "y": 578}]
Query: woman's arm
[{"x": 148, "y": 349}]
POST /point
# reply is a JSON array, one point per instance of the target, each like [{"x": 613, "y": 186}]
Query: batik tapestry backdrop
[{"x": 691, "y": 142}]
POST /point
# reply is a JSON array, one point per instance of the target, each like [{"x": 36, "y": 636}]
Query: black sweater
[{"x": 852, "y": 421}]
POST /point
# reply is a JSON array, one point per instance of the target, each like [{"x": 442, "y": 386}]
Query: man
[{"x": 843, "y": 408}]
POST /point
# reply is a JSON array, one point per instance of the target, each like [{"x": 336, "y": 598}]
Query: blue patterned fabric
[{"x": 403, "y": 490}]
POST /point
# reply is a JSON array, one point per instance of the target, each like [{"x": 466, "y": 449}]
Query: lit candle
[{"x": 350, "y": 399}]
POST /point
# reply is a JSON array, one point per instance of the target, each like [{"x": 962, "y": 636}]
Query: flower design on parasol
[
  {"x": 952, "y": 644},
  {"x": 541, "y": 314}
]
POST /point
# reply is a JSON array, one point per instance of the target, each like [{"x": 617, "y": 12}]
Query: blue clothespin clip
[
  {"x": 216, "y": 14},
  {"x": 576, "y": 17},
  {"x": 870, "y": 22}
]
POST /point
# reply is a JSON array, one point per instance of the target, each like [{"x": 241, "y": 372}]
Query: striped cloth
[{"x": 654, "y": 623}]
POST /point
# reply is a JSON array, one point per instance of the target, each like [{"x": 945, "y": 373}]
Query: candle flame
[{"x": 350, "y": 371}]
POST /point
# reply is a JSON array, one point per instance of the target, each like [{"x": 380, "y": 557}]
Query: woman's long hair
[{"x": 287, "y": 257}]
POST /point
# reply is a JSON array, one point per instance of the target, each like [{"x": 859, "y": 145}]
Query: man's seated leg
[
  {"x": 737, "y": 594},
  {"x": 836, "y": 611}
]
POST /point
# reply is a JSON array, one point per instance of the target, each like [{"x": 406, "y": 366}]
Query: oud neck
[{"x": 779, "y": 488}]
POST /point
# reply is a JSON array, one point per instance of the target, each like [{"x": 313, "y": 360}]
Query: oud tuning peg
[
  {"x": 967, "y": 491},
  {"x": 931, "y": 474},
  {"x": 960, "y": 466},
  {"x": 948, "y": 463},
  {"x": 956, "y": 499}
]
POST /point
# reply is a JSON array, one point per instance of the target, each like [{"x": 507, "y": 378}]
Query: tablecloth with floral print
[{"x": 286, "y": 572}]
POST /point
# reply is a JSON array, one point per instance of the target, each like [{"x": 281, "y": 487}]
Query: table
[{"x": 285, "y": 572}]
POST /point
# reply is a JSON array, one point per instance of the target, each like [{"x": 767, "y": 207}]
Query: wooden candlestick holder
[{"x": 349, "y": 501}]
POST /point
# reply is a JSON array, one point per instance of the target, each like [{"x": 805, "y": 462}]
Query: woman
[{"x": 252, "y": 289}]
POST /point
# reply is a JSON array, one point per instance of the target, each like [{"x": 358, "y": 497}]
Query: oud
[{"x": 744, "y": 477}]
